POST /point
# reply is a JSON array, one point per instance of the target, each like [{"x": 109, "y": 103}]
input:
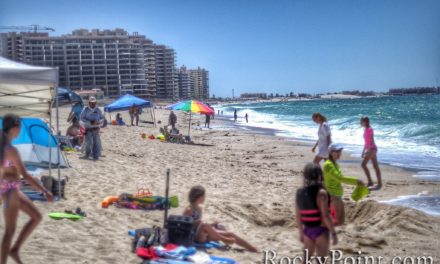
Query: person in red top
[{"x": 370, "y": 153}]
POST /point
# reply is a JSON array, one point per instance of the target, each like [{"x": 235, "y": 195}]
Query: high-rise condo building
[
  {"x": 166, "y": 75},
  {"x": 111, "y": 60},
  {"x": 186, "y": 83},
  {"x": 200, "y": 77}
]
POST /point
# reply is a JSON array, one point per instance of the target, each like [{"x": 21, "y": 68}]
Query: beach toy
[
  {"x": 143, "y": 135},
  {"x": 108, "y": 201},
  {"x": 143, "y": 192},
  {"x": 359, "y": 192},
  {"x": 174, "y": 201},
  {"x": 151, "y": 137},
  {"x": 61, "y": 215},
  {"x": 161, "y": 137}
]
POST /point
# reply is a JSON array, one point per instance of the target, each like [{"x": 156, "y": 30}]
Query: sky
[{"x": 278, "y": 46}]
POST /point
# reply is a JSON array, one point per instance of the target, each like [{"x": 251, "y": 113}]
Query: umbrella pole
[{"x": 189, "y": 124}]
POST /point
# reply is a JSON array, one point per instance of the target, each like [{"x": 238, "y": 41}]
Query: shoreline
[{"x": 348, "y": 158}]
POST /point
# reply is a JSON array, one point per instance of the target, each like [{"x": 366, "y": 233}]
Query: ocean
[{"x": 407, "y": 128}]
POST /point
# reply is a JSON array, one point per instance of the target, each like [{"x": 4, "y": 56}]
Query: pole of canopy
[
  {"x": 58, "y": 140},
  {"x": 50, "y": 138}
]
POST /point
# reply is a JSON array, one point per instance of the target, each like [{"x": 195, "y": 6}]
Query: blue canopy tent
[
  {"x": 35, "y": 144},
  {"x": 125, "y": 102}
]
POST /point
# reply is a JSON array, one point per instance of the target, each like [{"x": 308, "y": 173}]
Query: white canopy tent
[{"x": 29, "y": 91}]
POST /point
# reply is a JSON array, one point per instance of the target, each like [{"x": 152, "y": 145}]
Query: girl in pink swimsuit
[
  {"x": 13, "y": 199},
  {"x": 370, "y": 153}
]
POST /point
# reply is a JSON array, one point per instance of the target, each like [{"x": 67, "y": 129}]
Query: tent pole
[
  {"x": 50, "y": 138},
  {"x": 154, "y": 117},
  {"x": 58, "y": 141}
]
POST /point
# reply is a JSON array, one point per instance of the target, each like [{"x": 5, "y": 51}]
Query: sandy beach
[{"x": 251, "y": 180}]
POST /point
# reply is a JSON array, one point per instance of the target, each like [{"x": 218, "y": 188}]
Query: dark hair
[
  {"x": 195, "y": 193},
  {"x": 10, "y": 121},
  {"x": 312, "y": 174},
  {"x": 366, "y": 120},
  {"x": 323, "y": 118}
]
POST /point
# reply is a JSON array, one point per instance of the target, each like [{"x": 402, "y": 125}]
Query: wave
[{"x": 406, "y": 144}]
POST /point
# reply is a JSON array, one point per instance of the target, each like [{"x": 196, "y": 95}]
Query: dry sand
[{"x": 251, "y": 182}]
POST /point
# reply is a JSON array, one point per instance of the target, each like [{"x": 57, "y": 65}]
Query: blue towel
[
  {"x": 209, "y": 245},
  {"x": 220, "y": 260}
]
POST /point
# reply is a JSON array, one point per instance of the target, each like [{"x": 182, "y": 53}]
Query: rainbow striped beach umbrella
[{"x": 191, "y": 106}]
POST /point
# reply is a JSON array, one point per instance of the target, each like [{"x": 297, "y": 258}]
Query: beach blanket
[{"x": 179, "y": 255}]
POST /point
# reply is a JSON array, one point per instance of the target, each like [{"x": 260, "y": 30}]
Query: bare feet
[
  {"x": 15, "y": 256},
  {"x": 375, "y": 187}
]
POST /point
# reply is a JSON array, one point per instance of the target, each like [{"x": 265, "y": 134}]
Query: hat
[
  {"x": 92, "y": 99},
  {"x": 335, "y": 147}
]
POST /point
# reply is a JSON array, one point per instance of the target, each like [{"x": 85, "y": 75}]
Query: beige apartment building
[
  {"x": 111, "y": 60},
  {"x": 200, "y": 77}
]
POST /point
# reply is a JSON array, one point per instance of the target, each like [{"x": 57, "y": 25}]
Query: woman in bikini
[
  {"x": 370, "y": 153},
  {"x": 312, "y": 213},
  {"x": 210, "y": 232},
  {"x": 13, "y": 199}
]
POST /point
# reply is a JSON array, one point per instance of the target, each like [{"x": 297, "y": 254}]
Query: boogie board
[{"x": 60, "y": 215}]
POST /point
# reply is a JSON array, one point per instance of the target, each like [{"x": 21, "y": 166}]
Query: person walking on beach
[
  {"x": 92, "y": 119},
  {"x": 207, "y": 120},
  {"x": 324, "y": 138},
  {"x": 235, "y": 115},
  {"x": 14, "y": 201},
  {"x": 218, "y": 112},
  {"x": 172, "y": 120},
  {"x": 246, "y": 116},
  {"x": 210, "y": 232},
  {"x": 312, "y": 213},
  {"x": 134, "y": 114},
  {"x": 333, "y": 179},
  {"x": 370, "y": 153},
  {"x": 222, "y": 112}
]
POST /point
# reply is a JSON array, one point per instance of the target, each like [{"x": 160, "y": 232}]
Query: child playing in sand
[
  {"x": 313, "y": 214},
  {"x": 333, "y": 179},
  {"x": 206, "y": 232},
  {"x": 370, "y": 153}
]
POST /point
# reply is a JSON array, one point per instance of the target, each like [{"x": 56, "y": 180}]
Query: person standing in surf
[
  {"x": 14, "y": 201},
  {"x": 370, "y": 153},
  {"x": 235, "y": 115},
  {"x": 324, "y": 138}
]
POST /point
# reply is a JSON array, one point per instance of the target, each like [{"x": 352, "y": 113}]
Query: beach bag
[
  {"x": 180, "y": 230},
  {"x": 52, "y": 185},
  {"x": 149, "y": 237}
]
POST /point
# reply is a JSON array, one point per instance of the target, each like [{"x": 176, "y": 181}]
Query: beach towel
[{"x": 208, "y": 245}]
